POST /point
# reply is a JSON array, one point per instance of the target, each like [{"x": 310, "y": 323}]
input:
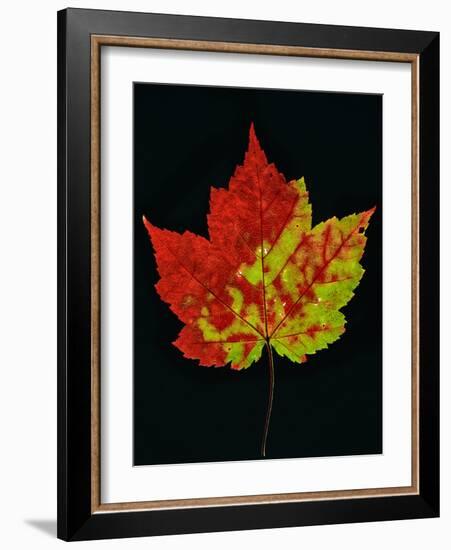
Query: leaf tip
[
  {"x": 253, "y": 139},
  {"x": 147, "y": 224},
  {"x": 370, "y": 212},
  {"x": 152, "y": 230},
  {"x": 366, "y": 216}
]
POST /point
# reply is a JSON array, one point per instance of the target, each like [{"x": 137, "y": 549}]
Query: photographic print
[
  {"x": 257, "y": 274},
  {"x": 247, "y": 219}
]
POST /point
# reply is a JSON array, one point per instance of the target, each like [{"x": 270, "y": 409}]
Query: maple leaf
[{"x": 264, "y": 277}]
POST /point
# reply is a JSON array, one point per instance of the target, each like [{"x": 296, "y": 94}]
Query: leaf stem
[{"x": 270, "y": 397}]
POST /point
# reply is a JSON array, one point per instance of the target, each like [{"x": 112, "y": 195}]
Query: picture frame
[{"x": 81, "y": 36}]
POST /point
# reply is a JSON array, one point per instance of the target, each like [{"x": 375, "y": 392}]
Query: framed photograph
[{"x": 248, "y": 274}]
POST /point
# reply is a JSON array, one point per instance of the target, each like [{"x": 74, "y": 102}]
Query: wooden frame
[{"x": 81, "y": 35}]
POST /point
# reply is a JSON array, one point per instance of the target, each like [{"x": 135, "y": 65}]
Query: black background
[{"x": 187, "y": 139}]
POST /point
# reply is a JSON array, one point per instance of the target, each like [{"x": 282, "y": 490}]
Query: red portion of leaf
[
  {"x": 255, "y": 208},
  {"x": 195, "y": 279}
]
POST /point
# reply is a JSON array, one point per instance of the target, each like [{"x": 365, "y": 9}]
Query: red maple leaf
[{"x": 265, "y": 277}]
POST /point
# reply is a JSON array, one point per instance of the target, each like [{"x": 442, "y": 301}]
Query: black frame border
[{"x": 75, "y": 519}]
